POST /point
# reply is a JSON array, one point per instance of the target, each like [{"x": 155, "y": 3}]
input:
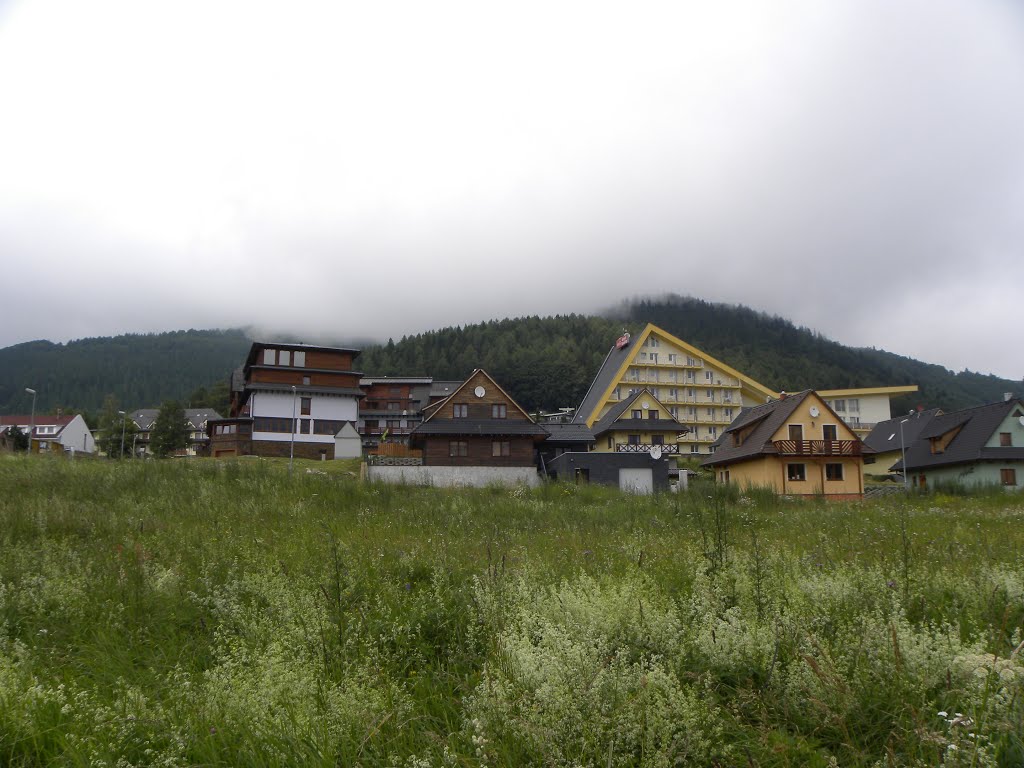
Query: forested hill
[
  {"x": 542, "y": 362},
  {"x": 140, "y": 370},
  {"x": 550, "y": 362}
]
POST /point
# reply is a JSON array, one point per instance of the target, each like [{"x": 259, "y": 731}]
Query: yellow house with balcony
[
  {"x": 796, "y": 445},
  {"x": 638, "y": 424}
]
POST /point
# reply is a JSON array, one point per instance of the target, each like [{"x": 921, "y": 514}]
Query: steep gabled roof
[
  {"x": 886, "y": 434},
  {"x": 976, "y": 427},
  {"x": 764, "y": 421},
  {"x": 617, "y": 361},
  {"x": 613, "y": 419},
  {"x": 434, "y": 425}
]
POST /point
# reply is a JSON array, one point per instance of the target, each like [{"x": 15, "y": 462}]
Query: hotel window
[
  {"x": 643, "y": 355},
  {"x": 306, "y": 404},
  {"x": 394, "y": 405},
  {"x": 269, "y": 356},
  {"x": 839, "y": 406},
  {"x": 284, "y": 357},
  {"x": 833, "y": 471},
  {"x": 711, "y": 413},
  {"x": 458, "y": 448},
  {"x": 1005, "y": 439},
  {"x": 674, "y": 410},
  {"x": 727, "y": 413},
  {"x": 299, "y": 359},
  {"x": 709, "y": 376},
  {"x": 691, "y": 411},
  {"x": 711, "y": 395},
  {"x": 694, "y": 448},
  {"x": 501, "y": 448},
  {"x": 853, "y": 405},
  {"x": 499, "y": 411},
  {"x": 671, "y": 357},
  {"x": 1008, "y": 476},
  {"x": 713, "y": 431},
  {"x": 796, "y": 472},
  {"x": 689, "y": 375},
  {"x": 654, "y": 357},
  {"x": 460, "y": 411}
]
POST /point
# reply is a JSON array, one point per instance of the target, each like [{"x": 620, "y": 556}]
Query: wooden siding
[
  {"x": 478, "y": 450},
  {"x": 480, "y": 407},
  {"x": 289, "y": 376}
]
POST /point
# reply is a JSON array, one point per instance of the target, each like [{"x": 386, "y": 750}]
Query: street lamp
[
  {"x": 903, "y": 453},
  {"x": 32, "y": 423},
  {"x": 291, "y": 452},
  {"x": 123, "y": 422}
]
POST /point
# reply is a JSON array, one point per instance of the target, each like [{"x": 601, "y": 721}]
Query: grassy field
[{"x": 226, "y": 613}]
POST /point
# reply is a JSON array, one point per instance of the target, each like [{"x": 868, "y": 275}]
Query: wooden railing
[
  {"x": 645, "y": 447},
  {"x": 818, "y": 447},
  {"x": 396, "y": 449}
]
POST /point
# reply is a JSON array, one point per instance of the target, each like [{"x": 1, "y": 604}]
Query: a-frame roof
[
  {"x": 432, "y": 424},
  {"x": 613, "y": 419},
  {"x": 617, "y": 362}
]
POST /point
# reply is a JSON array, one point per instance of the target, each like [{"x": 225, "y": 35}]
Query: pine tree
[{"x": 171, "y": 430}]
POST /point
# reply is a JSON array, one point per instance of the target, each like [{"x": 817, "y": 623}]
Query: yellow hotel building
[{"x": 700, "y": 392}]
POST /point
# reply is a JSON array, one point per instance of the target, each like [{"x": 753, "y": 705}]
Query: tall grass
[{"x": 218, "y": 613}]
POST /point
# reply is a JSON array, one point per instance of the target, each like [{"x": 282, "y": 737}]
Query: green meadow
[{"x": 200, "y": 613}]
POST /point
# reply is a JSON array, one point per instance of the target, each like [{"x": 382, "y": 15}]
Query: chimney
[
  {"x": 1007, "y": 397},
  {"x": 60, "y": 411}
]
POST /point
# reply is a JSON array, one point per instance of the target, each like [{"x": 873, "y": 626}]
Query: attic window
[
  {"x": 892, "y": 435},
  {"x": 936, "y": 444},
  {"x": 269, "y": 356},
  {"x": 1005, "y": 439},
  {"x": 299, "y": 359}
]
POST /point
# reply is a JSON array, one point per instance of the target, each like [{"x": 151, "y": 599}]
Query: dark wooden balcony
[{"x": 818, "y": 447}]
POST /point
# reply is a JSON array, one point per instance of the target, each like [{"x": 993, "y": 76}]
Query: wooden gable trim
[
  {"x": 478, "y": 372},
  {"x": 627, "y": 411}
]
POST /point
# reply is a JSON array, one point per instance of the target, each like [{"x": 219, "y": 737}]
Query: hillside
[
  {"x": 542, "y": 362},
  {"x": 139, "y": 369}
]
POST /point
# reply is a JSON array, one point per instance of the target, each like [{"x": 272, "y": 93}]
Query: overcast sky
[{"x": 369, "y": 169}]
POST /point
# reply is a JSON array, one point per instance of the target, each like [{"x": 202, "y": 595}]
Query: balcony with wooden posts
[{"x": 818, "y": 447}]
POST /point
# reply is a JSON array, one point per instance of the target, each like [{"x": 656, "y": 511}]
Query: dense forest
[
  {"x": 542, "y": 362},
  {"x": 139, "y": 370}
]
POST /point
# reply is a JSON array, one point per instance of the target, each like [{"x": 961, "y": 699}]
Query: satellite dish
[
  {"x": 1021, "y": 420},
  {"x": 655, "y": 452},
  {"x": 479, "y": 391},
  {"x": 814, "y": 411},
  {"x": 645, "y": 404}
]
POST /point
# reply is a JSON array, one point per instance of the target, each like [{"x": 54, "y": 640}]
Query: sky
[{"x": 354, "y": 170}]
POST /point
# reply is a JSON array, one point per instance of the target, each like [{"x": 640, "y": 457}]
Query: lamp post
[
  {"x": 903, "y": 453},
  {"x": 32, "y": 422},
  {"x": 123, "y": 421},
  {"x": 291, "y": 452}
]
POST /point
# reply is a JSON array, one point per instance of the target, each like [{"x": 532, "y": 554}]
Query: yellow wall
[{"x": 772, "y": 472}]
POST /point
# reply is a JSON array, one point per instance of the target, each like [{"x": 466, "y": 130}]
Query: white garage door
[{"x": 636, "y": 480}]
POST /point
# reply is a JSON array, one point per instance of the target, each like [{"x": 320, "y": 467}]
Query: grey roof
[
  {"x": 977, "y": 425},
  {"x": 196, "y": 417},
  {"x": 569, "y": 433},
  {"x": 443, "y": 388},
  {"x": 611, "y": 419},
  {"x": 886, "y": 434},
  {"x": 367, "y": 380},
  {"x": 480, "y": 427},
  {"x": 604, "y": 379},
  {"x": 238, "y": 379},
  {"x": 765, "y": 419}
]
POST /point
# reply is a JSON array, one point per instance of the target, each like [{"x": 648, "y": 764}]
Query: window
[
  {"x": 654, "y": 357},
  {"x": 796, "y": 472},
  {"x": 833, "y": 471},
  {"x": 727, "y": 413},
  {"x": 458, "y": 448},
  {"x": 828, "y": 432},
  {"x": 674, "y": 410},
  {"x": 657, "y": 439},
  {"x": 1005, "y": 439},
  {"x": 690, "y": 361},
  {"x": 610, "y": 443},
  {"x": 694, "y": 448},
  {"x": 331, "y": 427},
  {"x": 713, "y": 431},
  {"x": 305, "y": 380},
  {"x": 284, "y": 357},
  {"x": 711, "y": 395},
  {"x": 634, "y": 439},
  {"x": 501, "y": 448},
  {"x": 306, "y": 404},
  {"x": 618, "y": 393},
  {"x": 299, "y": 359},
  {"x": 1008, "y": 476},
  {"x": 839, "y": 406},
  {"x": 460, "y": 411},
  {"x": 643, "y": 355},
  {"x": 653, "y": 414},
  {"x": 652, "y": 342},
  {"x": 394, "y": 405},
  {"x": 499, "y": 411},
  {"x": 269, "y": 356},
  {"x": 671, "y": 357},
  {"x": 637, "y": 413},
  {"x": 709, "y": 376},
  {"x": 305, "y": 426},
  {"x": 711, "y": 413},
  {"x": 271, "y": 424},
  {"x": 673, "y": 393},
  {"x": 689, "y": 375},
  {"x": 853, "y": 405},
  {"x": 691, "y": 392},
  {"x": 395, "y": 391}
]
